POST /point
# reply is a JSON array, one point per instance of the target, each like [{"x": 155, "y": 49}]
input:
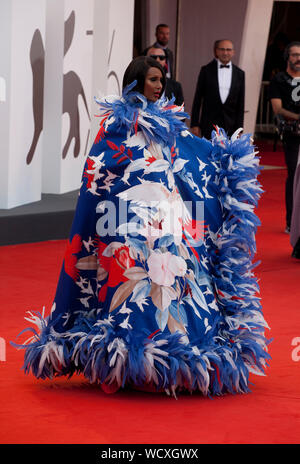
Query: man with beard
[
  {"x": 285, "y": 99},
  {"x": 162, "y": 34}
]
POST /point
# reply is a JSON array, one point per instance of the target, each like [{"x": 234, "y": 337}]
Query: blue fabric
[{"x": 157, "y": 287}]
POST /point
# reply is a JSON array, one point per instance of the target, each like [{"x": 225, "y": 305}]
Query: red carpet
[{"x": 72, "y": 411}]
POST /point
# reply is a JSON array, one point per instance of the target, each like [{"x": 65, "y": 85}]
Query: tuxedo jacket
[
  {"x": 170, "y": 58},
  {"x": 228, "y": 115}
]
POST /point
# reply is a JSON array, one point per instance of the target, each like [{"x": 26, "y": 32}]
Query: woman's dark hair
[{"x": 138, "y": 69}]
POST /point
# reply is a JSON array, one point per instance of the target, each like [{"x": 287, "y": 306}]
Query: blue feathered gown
[{"x": 156, "y": 288}]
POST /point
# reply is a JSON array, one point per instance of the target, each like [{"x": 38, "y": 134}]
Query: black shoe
[{"x": 296, "y": 250}]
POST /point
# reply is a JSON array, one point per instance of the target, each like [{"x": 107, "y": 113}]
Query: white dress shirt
[{"x": 224, "y": 79}]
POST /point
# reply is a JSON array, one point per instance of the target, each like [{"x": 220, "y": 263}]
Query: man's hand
[{"x": 195, "y": 130}]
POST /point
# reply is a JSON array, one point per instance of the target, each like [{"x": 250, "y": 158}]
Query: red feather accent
[
  {"x": 150, "y": 160},
  {"x": 112, "y": 145},
  {"x": 169, "y": 107},
  {"x": 193, "y": 249},
  {"x": 152, "y": 335},
  {"x": 90, "y": 177},
  {"x": 218, "y": 374},
  {"x": 101, "y": 131},
  {"x": 70, "y": 260},
  {"x": 136, "y": 125},
  {"x": 195, "y": 229},
  {"x": 76, "y": 244},
  {"x": 102, "y": 292},
  {"x": 122, "y": 159},
  {"x": 115, "y": 265}
]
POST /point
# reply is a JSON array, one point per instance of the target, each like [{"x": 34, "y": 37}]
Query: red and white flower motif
[
  {"x": 164, "y": 267},
  {"x": 115, "y": 266}
]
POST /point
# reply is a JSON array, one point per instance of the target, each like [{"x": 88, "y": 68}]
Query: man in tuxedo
[
  {"x": 220, "y": 94},
  {"x": 162, "y": 34},
  {"x": 173, "y": 88}
]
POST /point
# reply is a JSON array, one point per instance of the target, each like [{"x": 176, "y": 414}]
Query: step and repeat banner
[{"x": 55, "y": 55}]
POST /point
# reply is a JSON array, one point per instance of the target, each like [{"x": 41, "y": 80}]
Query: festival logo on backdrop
[
  {"x": 72, "y": 88},
  {"x": 112, "y": 74},
  {"x": 37, "y": 60}
]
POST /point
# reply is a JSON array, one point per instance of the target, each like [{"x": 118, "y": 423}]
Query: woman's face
[{"x": 153, "y": 84}]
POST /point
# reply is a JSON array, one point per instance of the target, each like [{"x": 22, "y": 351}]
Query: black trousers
[{"x": 291, "y": 149}]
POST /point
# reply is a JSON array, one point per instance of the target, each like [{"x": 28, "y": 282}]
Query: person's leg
[{"x": 291, "y": 148}]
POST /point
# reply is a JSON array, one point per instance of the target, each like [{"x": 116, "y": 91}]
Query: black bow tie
[{"x": 224, "y": 66}]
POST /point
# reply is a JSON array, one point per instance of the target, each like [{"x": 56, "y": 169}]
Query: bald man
[{"x": 220, "y": 93}]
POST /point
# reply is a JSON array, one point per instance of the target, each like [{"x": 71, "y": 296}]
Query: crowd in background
[{"x": 219, "y": 100}]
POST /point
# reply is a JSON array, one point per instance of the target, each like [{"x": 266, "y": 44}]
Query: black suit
[
  {"x": 170, "y": 60},
  {"x": 174, "y": 88},
  {"x": 228, "y": 115}
]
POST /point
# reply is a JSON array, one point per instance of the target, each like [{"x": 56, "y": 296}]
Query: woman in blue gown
[{"x": 156, "y": 289}]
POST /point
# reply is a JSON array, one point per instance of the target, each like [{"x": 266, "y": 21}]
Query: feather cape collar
[{"x": 160, "y": 121}]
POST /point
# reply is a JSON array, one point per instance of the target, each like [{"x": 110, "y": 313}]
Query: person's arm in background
[
  {"x": 241, "y": 104},
  {"x": 195, "y": 128},
  {"x": 279, "y": 110},
  {"x": 179, "y": 94}
]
